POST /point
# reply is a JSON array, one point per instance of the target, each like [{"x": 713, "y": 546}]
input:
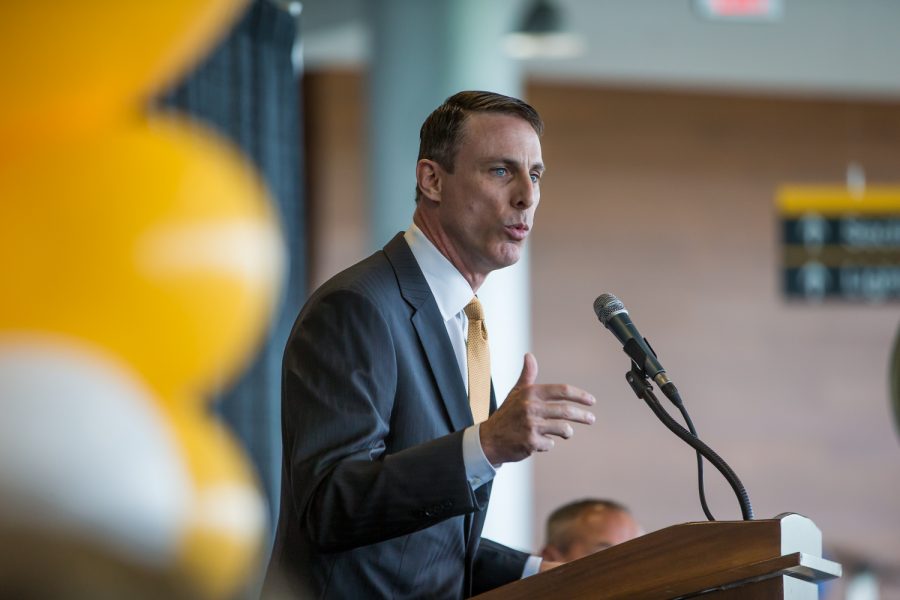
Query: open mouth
[{"x": 517, "y": 231}]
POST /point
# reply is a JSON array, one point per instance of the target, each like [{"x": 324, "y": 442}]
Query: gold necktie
[{"x": 479, "y": 359}]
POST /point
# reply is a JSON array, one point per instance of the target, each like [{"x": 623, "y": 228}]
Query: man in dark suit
[{"x": 386, "y": 475}]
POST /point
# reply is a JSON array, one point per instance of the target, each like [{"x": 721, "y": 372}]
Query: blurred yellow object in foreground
[
  {"x": 117, "y": 497},
  {"x": 68, "y": 66},
  {"x": 84, "y": 448},
  {"x": 155, "y": 241},
  {"x": 95, "y": 492},
  {"x": 224, "y": 531}
]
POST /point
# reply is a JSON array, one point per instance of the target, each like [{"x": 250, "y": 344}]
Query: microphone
[{"x": 614, "y": 316}]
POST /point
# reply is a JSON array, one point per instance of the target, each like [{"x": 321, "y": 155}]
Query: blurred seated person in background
[{"x": 587, "y": 526}]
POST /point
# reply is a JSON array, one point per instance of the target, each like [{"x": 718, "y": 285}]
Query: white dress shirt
[{"x": 452, "y": 292}]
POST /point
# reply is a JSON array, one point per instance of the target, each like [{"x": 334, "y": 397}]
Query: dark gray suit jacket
[{"x": 375, "y": 502}]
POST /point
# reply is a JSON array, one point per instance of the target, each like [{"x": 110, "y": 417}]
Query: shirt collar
[{"x": 449, "y": 288}]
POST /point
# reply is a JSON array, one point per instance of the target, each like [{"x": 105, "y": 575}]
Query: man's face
[
  {"x": 595, "y": 530},
  {"x": 488, "y": 202}
]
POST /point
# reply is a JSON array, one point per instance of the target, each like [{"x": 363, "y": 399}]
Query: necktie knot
[{"x": 474, "y": 311}]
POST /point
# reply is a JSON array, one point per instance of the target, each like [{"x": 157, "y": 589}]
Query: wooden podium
[{"x": 772, "y": 558}]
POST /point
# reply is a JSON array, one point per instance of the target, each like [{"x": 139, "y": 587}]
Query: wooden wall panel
[
  {"x": 667, "y": 200},
  {"x": 336, "y": 172}
]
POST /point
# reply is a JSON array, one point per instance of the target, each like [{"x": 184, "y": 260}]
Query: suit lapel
[{"x": 432, "y": 332}]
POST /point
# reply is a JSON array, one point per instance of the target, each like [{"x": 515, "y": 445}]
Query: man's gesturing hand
[{"x": 530, "y": 415}]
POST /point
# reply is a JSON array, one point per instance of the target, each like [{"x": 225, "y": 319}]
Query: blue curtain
[{"x": 248, "y": 91}]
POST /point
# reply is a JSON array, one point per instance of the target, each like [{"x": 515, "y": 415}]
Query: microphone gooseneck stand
[{"x": 640, "y": 383}]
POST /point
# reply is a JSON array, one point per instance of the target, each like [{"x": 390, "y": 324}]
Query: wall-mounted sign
[
  {"x": 740, "y": 10},
  {"x": 840, "y": 245}
]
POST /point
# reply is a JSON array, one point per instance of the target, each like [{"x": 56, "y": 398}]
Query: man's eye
[
  {"x": 535, "y": 178},
  {"x": 500, "y": 171}
]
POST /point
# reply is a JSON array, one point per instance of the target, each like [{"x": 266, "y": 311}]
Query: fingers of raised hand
[
  {"x": 567, "y": 412},
  {"x": 563, "y": 391},
  {"x": 558, "y": 428},
  {"x": 538, "y": 442}
]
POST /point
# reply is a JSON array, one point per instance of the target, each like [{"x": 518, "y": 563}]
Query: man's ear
[
  {"x": 552, "y": 554},
  {"x": 429, "y": 176}
]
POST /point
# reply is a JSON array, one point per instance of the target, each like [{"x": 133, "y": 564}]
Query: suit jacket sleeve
[
  {"x": 496, "y": 565},
  {"x": 340, "y": 388}
]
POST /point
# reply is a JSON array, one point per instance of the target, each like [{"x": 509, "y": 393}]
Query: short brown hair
[
  {"x": 558, "y": 522},
  {"x": 441, "y": 133}
]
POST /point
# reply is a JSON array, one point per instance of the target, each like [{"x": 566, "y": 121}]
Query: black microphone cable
[{"x": 645, "y": 365}]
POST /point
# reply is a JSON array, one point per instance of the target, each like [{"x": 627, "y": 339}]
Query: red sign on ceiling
[{"x": 740, "y": 10}]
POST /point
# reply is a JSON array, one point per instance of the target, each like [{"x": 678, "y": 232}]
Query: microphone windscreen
[{"x": 607, "y": 305}]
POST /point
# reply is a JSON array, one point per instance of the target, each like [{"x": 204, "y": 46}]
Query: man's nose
[{"x": 526, "y": 192}]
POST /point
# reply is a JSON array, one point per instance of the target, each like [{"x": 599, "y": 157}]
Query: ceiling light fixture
[{"x": 542, "y": 35}]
